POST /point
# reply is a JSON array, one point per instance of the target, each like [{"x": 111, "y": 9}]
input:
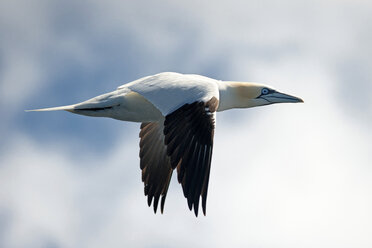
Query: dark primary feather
[
  {"x": 184, "y": 141},
  {"x": 155, "y": 164},
  {"x": 189, "y": 139}
]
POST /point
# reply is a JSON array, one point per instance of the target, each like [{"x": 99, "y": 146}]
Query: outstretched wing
[
  {"x": 183, "y": 141},
  {"x": 189, "y": 139},
  {"x": 155, "y": 164}
]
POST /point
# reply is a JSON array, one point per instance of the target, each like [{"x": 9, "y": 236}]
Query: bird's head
[{"x": 247, "y": 95}]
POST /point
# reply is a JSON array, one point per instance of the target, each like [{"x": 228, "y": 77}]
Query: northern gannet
[{"x": 177, "y": 113}]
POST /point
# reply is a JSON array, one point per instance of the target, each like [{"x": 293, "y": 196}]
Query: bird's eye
[{"x": 265, "y": 91}]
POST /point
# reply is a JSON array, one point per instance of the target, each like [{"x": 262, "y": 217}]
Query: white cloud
[
  {"x": 297, "y": 175},
  {"x": 282, "y": 176},
  {"x": 283, "y": 179},
  {"x": 23, "y": 38}
]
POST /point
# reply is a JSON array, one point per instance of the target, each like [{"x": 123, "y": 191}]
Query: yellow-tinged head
[{"x": 247, "y": 95}]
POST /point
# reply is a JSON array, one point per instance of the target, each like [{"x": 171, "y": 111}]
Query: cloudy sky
[{"x": 290, "y": 175}]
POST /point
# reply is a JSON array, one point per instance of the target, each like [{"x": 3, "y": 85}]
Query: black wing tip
[
  {"x": 191, "y": 204},
  {"x": 162, "y": 203},
  {"x": 155, "y": 203},
  {"x": 149, "y": 200},
  {"x": 196, "y": 211},
  {"x": 195, "y": 205}
]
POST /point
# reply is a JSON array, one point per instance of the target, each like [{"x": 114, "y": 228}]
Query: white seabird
[{"x": 177, "y": 113}]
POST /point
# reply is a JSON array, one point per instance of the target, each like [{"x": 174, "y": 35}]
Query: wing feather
[
  {"x": 189, "y": 135},
  {"x": 182, "y": 140},
  {"x": 155, "y": 164}
]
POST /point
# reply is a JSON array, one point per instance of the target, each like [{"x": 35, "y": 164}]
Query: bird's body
[{"x": 177, "y": 113}]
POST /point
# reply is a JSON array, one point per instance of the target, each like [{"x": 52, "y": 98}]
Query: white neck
[{"x": 227, "y": 100}]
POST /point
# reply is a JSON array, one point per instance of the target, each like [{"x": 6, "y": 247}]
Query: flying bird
[{"x": 177, "y": 113}]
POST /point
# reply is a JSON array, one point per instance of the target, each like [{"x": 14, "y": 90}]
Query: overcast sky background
[{"x": 286, "y": 175}]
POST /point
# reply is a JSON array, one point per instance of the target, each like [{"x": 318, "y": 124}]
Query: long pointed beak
[{"x": 278, "y": 97}]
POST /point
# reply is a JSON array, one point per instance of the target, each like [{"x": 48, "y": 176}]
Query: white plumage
[
  {"x": 177, "y": 113},
  {"x": 169, "y": 91}
]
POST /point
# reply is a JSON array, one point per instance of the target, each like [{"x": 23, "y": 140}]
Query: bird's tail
[
  {"x": 69, "y": 108},
  {"x": 99, "y": 106}
]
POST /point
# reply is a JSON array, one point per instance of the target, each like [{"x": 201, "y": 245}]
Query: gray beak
[{"x": 277, "y": 97}]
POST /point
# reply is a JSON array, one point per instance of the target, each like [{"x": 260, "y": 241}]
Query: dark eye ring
[{"x": 265, "y": 91}]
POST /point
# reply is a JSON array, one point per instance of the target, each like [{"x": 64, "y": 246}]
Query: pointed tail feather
[
  {"x": 69, "y": 108},
  {"x": 96, "y": 106}
]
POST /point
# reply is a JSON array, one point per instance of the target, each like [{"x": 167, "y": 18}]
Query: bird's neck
[{"x": 236, "y": 95}]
